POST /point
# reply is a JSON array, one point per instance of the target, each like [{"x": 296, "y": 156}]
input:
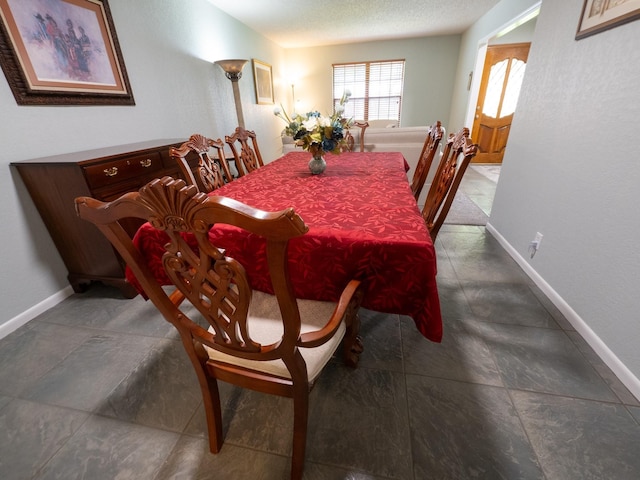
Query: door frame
[{"x": 483, "y": 43}]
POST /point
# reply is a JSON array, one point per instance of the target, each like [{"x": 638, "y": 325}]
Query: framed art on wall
[
  {"x": 62, "y": 52},
  {"x": 600, "y": 15},
  {"x": 264, "y": 82}
]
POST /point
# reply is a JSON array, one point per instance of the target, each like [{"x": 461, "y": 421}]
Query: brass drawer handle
[
  {"x": 111, "y": 172},
  {"x": 145, "y": 163}
]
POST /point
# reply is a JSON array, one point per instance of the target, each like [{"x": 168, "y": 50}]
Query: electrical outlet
[
  {"x": 538, "y": 238},
  {"x": 535, "y": 244}
]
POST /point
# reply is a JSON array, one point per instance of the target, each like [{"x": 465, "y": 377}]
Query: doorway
[{"x": 502, "y": 76}]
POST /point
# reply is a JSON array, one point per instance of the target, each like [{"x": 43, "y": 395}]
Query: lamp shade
[{"x": 232, "y": 68}]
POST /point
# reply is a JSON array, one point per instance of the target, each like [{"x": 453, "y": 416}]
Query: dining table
[{"x": 364, "y": 223}]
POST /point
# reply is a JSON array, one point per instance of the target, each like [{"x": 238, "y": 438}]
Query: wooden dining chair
[
  {"x": 456, "y": 157},
  {"x": 211, "y": 174},
  {"x": 362, "y": 126},
  {"x": 272, "y": 343},
  {"x": 244, "y": 146},
  {"x": 349, "y": 142},
  {"x": 429, "y": 151}
]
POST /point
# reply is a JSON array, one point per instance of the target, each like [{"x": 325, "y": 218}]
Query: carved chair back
[
  {"x": 429, "y": 151},
  {"x": 247, "y": 156},
  {"x": 447, "y": 179},
  {"x": 211, "y": 174}
]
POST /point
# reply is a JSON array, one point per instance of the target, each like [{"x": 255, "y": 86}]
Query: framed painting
[
  {"x": 62, "y": 52},
  {"x": 264, "y": 82},
  {"x": 600, "y": 15}
]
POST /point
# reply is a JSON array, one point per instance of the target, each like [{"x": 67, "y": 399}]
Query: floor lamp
[{"x": 233, "y": 71}]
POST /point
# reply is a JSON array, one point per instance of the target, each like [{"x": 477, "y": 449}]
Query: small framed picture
[
  {"x": 264, "y": 82},
  {"x": 62, "y": 52},
  {"x": 600, "y": 15}
]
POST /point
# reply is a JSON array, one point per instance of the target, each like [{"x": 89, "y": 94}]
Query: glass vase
[{"x": 317, "y": 164}]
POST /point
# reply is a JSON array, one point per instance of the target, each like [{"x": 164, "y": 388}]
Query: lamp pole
[{"x": 233, "y": 71}]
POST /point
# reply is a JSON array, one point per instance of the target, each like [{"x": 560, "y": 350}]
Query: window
[{"x": 376, "y": 89}]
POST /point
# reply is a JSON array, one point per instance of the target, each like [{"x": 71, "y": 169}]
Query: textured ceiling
[{"x": 306, "y": 23}]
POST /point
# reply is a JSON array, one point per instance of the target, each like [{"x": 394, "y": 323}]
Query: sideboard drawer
[{"x": 116, "y": 171}]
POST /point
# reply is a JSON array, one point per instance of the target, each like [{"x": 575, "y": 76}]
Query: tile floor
[{"x": 98, "y": 387}]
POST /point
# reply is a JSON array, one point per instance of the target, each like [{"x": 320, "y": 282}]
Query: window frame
[{"x": 366, "y": 81}]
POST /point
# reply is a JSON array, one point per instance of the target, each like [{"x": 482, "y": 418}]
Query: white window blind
[{"x": 376, "y": 89}]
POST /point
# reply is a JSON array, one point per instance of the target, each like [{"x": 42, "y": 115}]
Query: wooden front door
[{"x": 502, "y": 77}]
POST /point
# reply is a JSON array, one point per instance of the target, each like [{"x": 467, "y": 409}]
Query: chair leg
[
  {"x": 300, "y": 420},
  {"x": 213, "y": 411},
  {"x": 352, "y": 343}
]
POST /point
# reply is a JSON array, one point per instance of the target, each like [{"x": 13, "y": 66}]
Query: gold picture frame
[
  {"x": 263, "y": 80},
  {"x": 600, "y": 15},
  {"x": 62, "y": 52}
]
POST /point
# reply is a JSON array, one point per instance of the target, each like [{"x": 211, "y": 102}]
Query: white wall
[
  {"x": 428, "y": 83},
  {"x": 169, "y": 48},
  {"x": 571, "y": 172}
]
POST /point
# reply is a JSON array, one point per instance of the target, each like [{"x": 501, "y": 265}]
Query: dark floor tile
[
  {"x": 541, "y": 360},
  {"x": 228, "y": 398},
  {"x": 30, "y": 352},
  {"x": 84, "y": 379},
  {"x": 461, "y": 356},
  {"x": 252, "y": 420},
  {"x": 359, "y": 420},
  {"x": 580, "y": 439},
  {"x": 30, "y": 433},
  {"x": 459, "y": 241},
  {"x": 478, "y": 257},
  {"x": 603, "y": 370},
  {"x": 315, "y": 471},
  {"x": 161, "y": 391},
  {"x": 487, "y": 268},
  {"x": 380, "y": 334},
  {"x": 635, "y": 411},
  {"x": 511, "y": 303},
  {"x": 462, "y": 431},
  {"x": 104, "y": 308},
  {"x": 453, "y": 303},
  {"x": 560, "y": 319},
  {"x": 191, "y": 460},
  {"x": 485, "y": 202},
  {"x": 445, "y": 269},
  {"x": 259, "y": 421},
  {"x": 104, "y": 448},
  {"x": 93, "y": 308}
]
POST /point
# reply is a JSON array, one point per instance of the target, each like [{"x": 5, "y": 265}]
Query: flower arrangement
[{"x": 316, "y": 133}]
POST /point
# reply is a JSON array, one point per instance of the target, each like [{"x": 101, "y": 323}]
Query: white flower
[
  {"x": 324, "y": 122},
  {"x": 310, "y": 124},
  {"x": 277, "y": 111},
  {"x": 347, "y": 93},
  {"x": 340, "y": 109}
]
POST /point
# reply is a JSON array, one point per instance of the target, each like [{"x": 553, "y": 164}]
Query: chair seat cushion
[{"x": 265, "y": 327}]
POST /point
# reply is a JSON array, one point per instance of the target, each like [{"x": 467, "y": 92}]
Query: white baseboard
[
  {"x": 28, "y": 315},
  {"x": 602, "y": 350}
]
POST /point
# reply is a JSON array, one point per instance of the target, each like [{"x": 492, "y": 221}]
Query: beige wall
[{"x": 429, "y": 73}]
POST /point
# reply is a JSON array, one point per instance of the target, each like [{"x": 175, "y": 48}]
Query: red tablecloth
[{"x": 363, "y": 223}]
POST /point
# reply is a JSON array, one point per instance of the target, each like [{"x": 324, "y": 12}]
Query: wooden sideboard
[{"x": 106, "y": 173}]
